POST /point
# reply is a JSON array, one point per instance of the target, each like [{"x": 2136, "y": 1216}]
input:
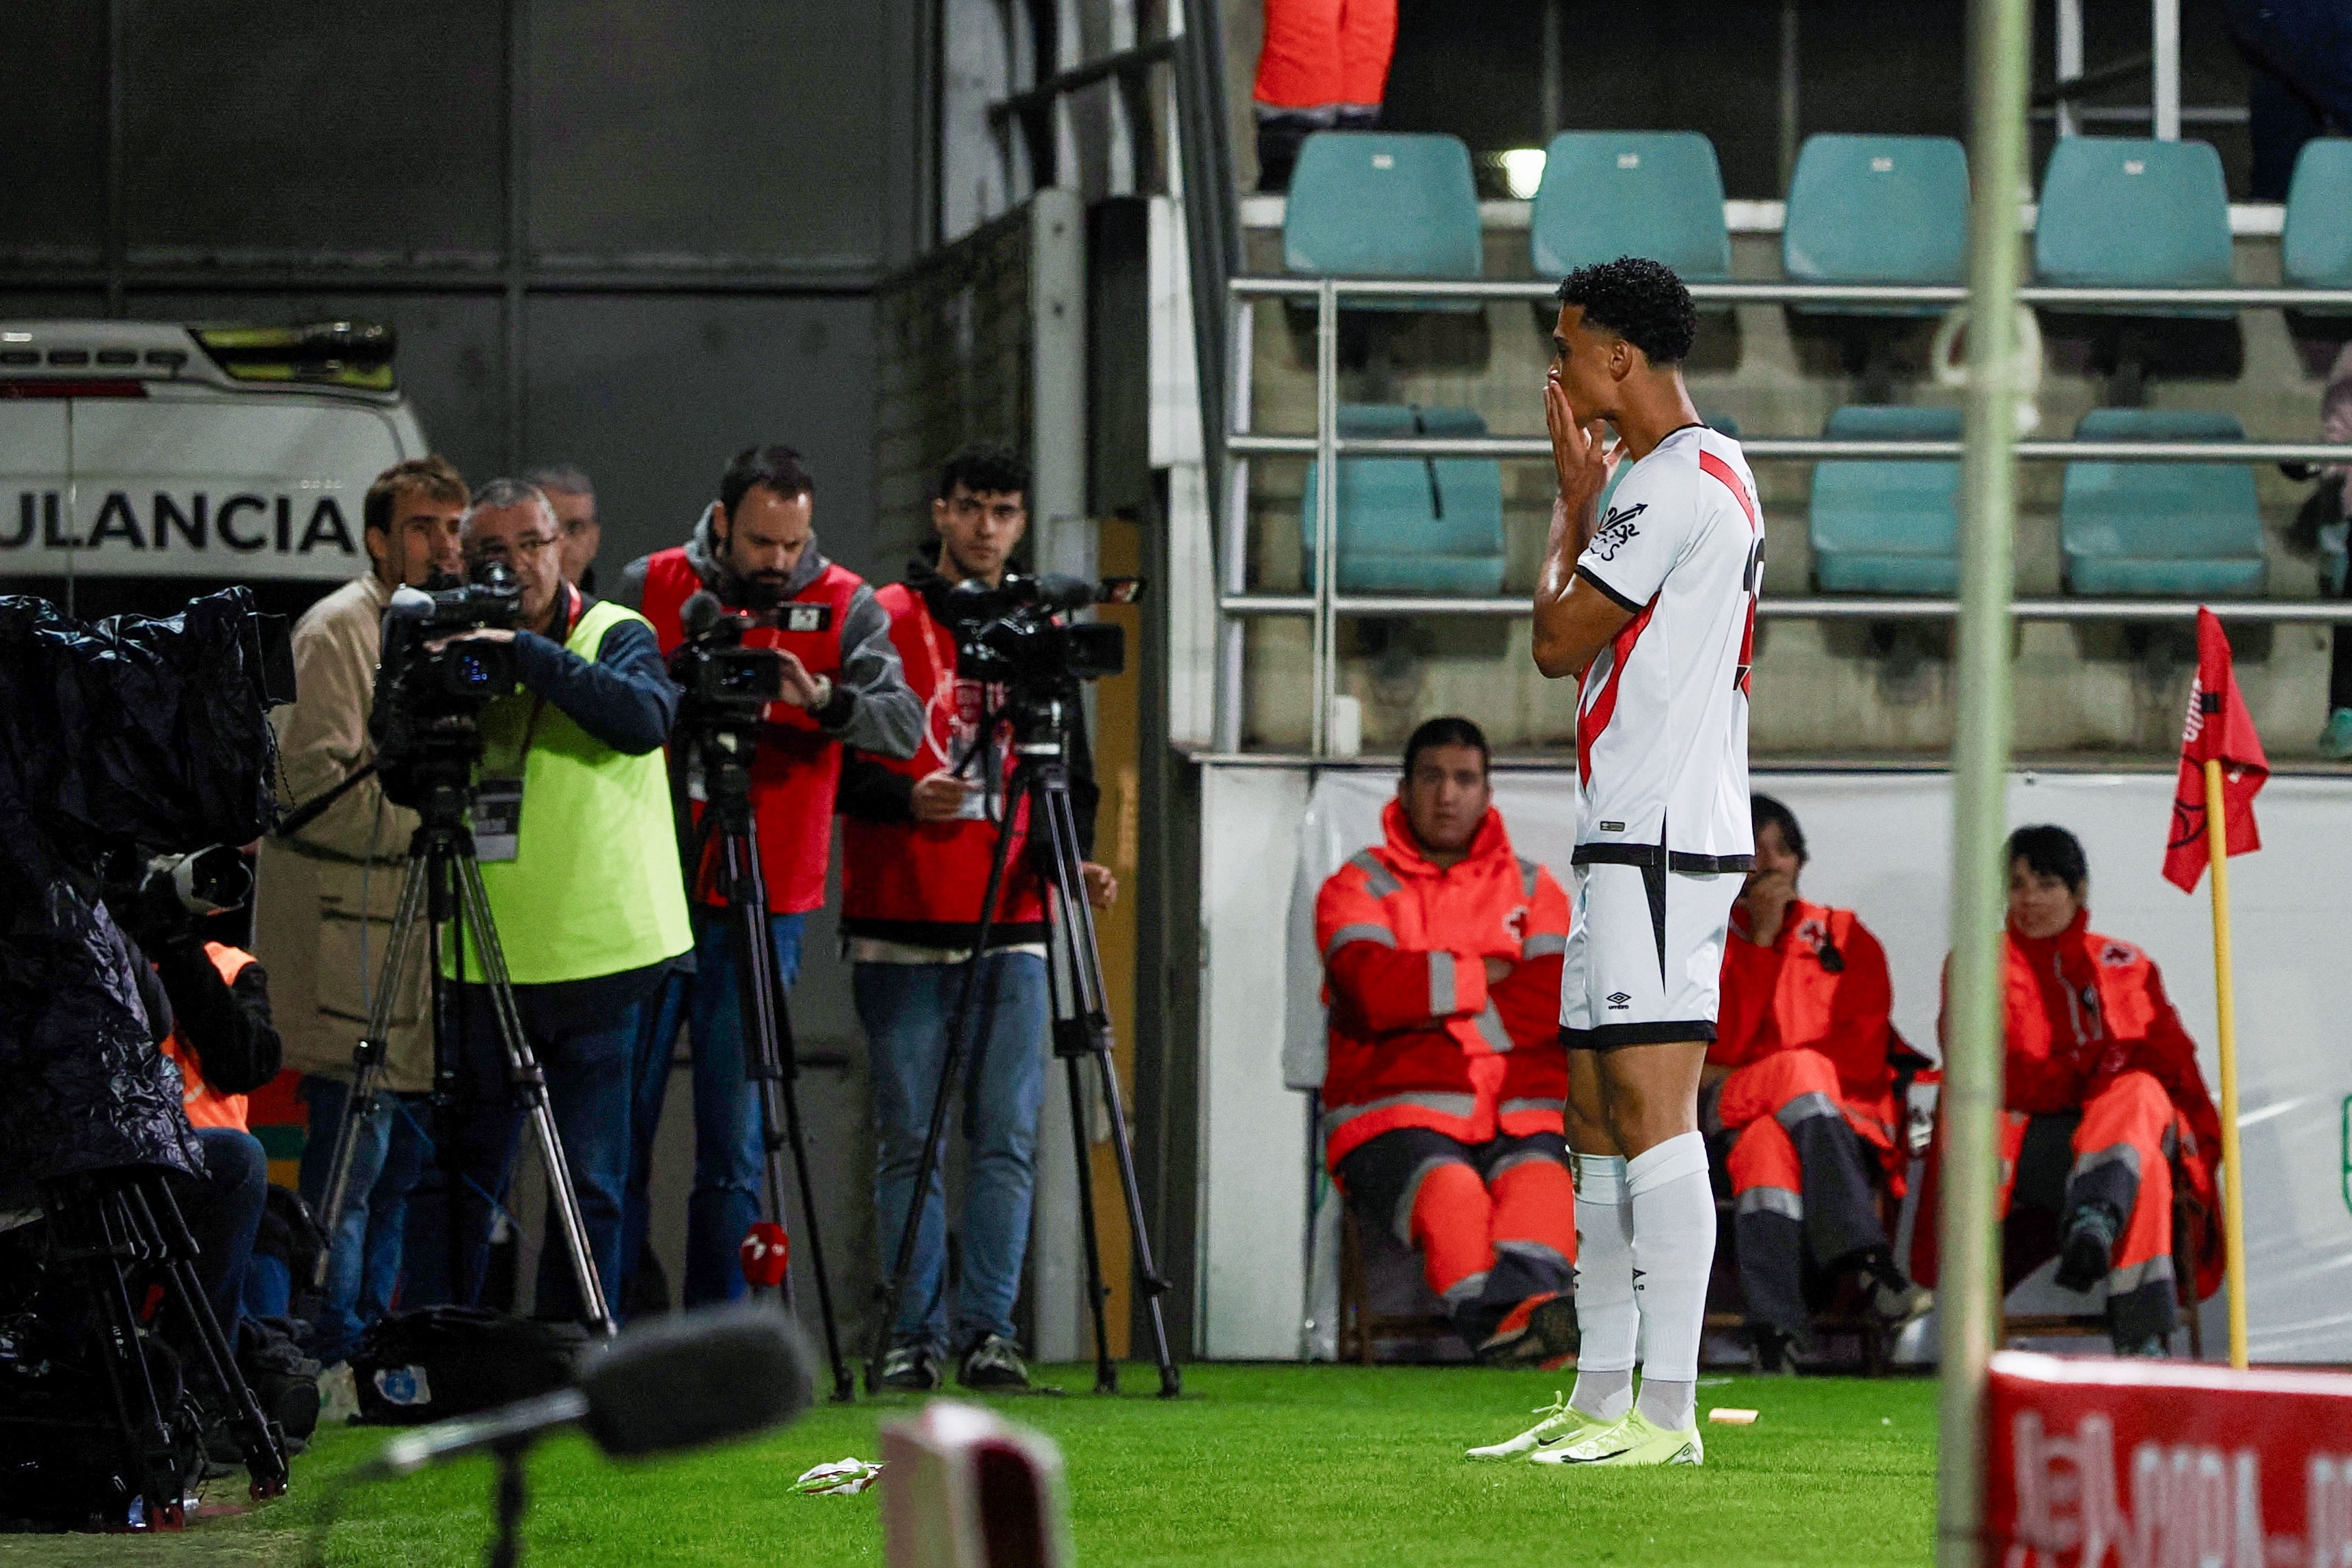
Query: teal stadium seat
[
  {"x": 1607, "y": 193},
  {"x": 2126, "y": 212},
  {"x": 1371, "y": 204},
  {"x": 2186, "y": 531},
  {"x": 2317, "y": 252},
  {"x": 1888, "y": 526},
  {"x": 1877, "y": 209},
  {"x": 1413, "y": 525}
]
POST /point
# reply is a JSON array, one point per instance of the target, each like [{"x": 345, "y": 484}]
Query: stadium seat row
[
  {"x": 1435, "y": 526},
  {"x": 2115, "y": 212}
]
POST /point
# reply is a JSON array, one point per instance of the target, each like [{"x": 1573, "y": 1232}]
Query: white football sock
[
  {"x": 1673, "y": 1206},
  {"x": 1607, "y": 1322}
]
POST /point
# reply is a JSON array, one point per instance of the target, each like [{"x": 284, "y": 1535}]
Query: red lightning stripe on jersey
[{"x": 1723, "y": 471}]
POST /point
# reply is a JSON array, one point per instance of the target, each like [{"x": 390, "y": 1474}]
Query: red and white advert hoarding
[{"x": 2151, "y": 1464}]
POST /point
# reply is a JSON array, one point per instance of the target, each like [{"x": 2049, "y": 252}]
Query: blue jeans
[
  {"x": 906, "y": 1010},
  {"x": 224, "y": 1213},
  {"x": 364, "y": 1255},
  {"x": 583, "y": 1033},
  {"x": 729, "y": 1151}
]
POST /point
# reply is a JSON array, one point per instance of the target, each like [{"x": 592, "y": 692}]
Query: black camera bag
[{"x": 438, "y": 1362}]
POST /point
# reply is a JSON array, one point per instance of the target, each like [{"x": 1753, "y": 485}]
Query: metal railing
[{"x": 1324, "y": 604}]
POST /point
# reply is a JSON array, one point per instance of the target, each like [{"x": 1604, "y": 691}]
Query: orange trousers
[
  {"x": 1325, "y": 53},
  {"x": 2122, "y": 1158},
  {"x": 1798, "y": 1182},
  {"x": 1495, "y": 1223}
]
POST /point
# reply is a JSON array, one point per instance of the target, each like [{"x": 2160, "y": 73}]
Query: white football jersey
[{"x": 1661, "y": 721}]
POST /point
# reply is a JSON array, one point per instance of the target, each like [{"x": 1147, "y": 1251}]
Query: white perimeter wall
[{"x": 1881, "y": 845}]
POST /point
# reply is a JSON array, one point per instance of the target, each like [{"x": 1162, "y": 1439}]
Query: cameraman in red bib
[
  {"x": 755, "y": 550},
  {"x": 916, "y": 841}
]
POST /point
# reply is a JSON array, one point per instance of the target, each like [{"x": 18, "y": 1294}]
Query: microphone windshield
[
  {"x": 694, "y": 1378},
  {"x": 700, "y": 613},
  {"x": 1062, "y": 594}
]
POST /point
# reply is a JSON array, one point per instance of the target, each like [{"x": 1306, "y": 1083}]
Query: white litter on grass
[
  {"x": 1715, "y": 1382},
  {"x": 1887, "y": 1420},
  {"x": 1723, "y": 1415},
  {"x": 843, "y": 1477}
]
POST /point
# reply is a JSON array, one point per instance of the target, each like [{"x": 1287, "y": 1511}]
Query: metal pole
[
  {"x": 1968, "y": 1296},
  {"x": 1554, "y": 69},
  {"x": 1788, "y": 85},
  {"x": 2165, "y": 88},
  {"x": 1326, "y": 511},
  {"x": 2070, "y": 62}
]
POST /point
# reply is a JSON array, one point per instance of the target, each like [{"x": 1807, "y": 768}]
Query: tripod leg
[
  {"x": 1097, "y": 1291},
  {"x": 950, "y": 1066},
  {"x": 783, "y": 1097},
  {"x": 525, "y": 1070},
  {"x": 82, "y": 1223},
  {"x": 265, "y": 1452},
  {"x": 1070, "y": 909},
  {"x": 369, "y": 1062}
]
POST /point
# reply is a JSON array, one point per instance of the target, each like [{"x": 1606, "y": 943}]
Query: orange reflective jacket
[
  {"x": 207, "y": 1106},
  {"x": 1419, "y": 1037}
]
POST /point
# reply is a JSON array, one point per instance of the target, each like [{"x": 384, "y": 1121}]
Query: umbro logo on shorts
[{"x": 1618, "y": 1000}]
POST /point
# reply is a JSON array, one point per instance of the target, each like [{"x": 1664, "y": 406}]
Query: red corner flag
[{"x": 2219, "y": 729}]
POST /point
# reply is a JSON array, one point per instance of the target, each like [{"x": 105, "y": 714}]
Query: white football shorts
[{"x": 1645, "y": 960}]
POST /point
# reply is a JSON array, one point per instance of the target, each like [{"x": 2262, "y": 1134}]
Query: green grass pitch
[{"x": 1256, "y": 1465}]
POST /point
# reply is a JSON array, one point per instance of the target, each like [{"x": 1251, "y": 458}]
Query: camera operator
[
  {"x": 579, "y": 857},
  {"x": 326, "y": 894},
  {"x": 915, "y": 858},
  {"x": 568, "y": 490},
  {"x": 755, "y": 549}
]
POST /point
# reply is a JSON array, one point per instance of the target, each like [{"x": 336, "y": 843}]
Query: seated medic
[
  {"x": 1799, "y": 1097},
  {"x": 1443, "y": 1099},
  {"x": 2101, "y": 1091}
]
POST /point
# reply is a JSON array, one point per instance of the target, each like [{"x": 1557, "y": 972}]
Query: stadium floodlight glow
[{"x": 1523, "y": 170}]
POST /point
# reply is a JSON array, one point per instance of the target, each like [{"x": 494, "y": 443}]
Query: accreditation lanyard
[{"x": 496, "y": 807}]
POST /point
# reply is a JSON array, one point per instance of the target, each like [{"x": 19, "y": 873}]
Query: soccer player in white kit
[{"x": 1653, "y": 606}]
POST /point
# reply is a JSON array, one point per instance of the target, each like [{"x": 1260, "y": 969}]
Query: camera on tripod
[
  {"x": 428, "y": 698},
  {"x": 1012, "y": 633},
  {"x": 721, "y": 679}
]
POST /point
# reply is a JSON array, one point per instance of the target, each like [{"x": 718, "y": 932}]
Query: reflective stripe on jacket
[{"x": 1418, "y": 1038}]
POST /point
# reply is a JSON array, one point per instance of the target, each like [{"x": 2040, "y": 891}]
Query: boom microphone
[{"x": 683, "y": 1381}]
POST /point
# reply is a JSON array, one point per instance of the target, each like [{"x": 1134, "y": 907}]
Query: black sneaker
[
  {"x": 2090, "y": 1247},
  {"x": 993, "y": 1363},
  {"x": 910, "y": 1369}
]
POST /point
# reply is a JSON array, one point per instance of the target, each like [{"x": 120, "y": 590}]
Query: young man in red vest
[
  {"x": 2101, "y": 1089},
  {"x": 1441, "y": 1101},
  {"x": 916, "y": 848},
  {"x": 755, "y": 550},
  {"x": 1798, "y": 1095}
]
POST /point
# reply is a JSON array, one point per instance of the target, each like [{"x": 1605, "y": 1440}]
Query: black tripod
[
  {"x": 111, "y": 1222},
  {"x": 1082, "y": 1028},
  {"x": 724, "y": 751},
  {"x": 445, "y": 886}
]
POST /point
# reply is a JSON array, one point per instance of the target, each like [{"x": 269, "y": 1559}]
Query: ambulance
[{"x": 143, "y": 462}]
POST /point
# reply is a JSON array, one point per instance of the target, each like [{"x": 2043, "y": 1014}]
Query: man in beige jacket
[{"x": 323, "y": 907}]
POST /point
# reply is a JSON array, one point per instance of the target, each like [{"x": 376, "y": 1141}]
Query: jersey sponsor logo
[
  {"x": 1619, "y": 1001},
  {"x": 1617, "y": 530}
]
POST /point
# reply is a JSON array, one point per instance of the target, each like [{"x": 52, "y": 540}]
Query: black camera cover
[{"x": 133, "y": 736}]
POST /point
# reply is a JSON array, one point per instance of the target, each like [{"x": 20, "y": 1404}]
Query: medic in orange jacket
[
  {"x": 1446, "y": 1081},
  {"x": 1801, "y": 1082},
  {"x": 2101, "y": 1090}
]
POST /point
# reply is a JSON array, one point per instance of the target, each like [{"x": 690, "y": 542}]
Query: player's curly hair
[{"x": 1639, "y": 299}]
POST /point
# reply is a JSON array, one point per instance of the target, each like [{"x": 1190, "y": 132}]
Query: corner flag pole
[
  {"x": 1969, "y": 1291},
  {"x": 2234, "y": 1188}
]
